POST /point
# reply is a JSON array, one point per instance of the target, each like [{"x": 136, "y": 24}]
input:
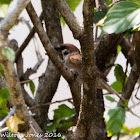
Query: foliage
[
  {"x": 2, "y": 71},
  {"x": 121, "y": 17},
  {"x": 12, "y": 136},
  {"x": 4, "y": 96},
  {"x": 4, "y": 7},
  {"x": 32, "y": 86},
  {"x": 119, "y": 49},
  {"x": 3, "y": 10},
  {"x": 61, "y": 120},
  {"x": 5, "y": 2},
  {"x": 73, "y": 5},
  {"x": 9, "y": 53},
  {"x": 109, "y": 98},
  {"x": 98, "y": 15},
  {"x": 108, "y": 2},
  {"x": 114, "y": 119},
  {"x": 119, "y": 74}
]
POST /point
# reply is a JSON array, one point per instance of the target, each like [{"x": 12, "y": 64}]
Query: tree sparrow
[{"x": 73, "y": 59}]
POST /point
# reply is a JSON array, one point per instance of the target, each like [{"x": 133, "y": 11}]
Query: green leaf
[
  {"x": 73, "y": 4},
  {"x": 4, "y": 94},
  {"x": 12, "y": 138},
  {"x": 125, "y": 104},
  {"x": 99, "y": 15},
  {"x": 9, "y": 53},
  {"x": 126, "y": 130},
  {"x": 119, "y": 48},
  {"x": 108, "y": 2},
  {"x": 62, "y": 21},
  {"x": 51, "y": 127},
  {"x": 3, "y": 10},
  {"x": 3, "y": 111},
  {"x": 66, "y": 125},
  {"x": 63, "y": 111},
  {"x": 136, "y": 1},
  {"x": 119, "y": 74},
  {"x": 114, "y": 119},
  {"x": 117, "y": 86},
  {"x": 61, "y": 121},
  {"x": 32, "y": 87},
  {"x": 109, "y": 98},
  {"x": 121, "y": 17},
  {"x": 5, "y": 2},
  {"x": 2, "y": 71},
  {"x": 135, "y": 131}
]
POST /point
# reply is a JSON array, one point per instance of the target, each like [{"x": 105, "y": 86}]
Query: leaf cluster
[{"x": 61, "y": 120}]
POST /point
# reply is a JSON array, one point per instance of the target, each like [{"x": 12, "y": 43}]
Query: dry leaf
[{"x": 13, "y": 122}]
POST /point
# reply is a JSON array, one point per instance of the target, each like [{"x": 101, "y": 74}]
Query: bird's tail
[{"x": 111, "y": 90}]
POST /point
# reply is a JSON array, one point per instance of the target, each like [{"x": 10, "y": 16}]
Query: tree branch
[
  {"x": 46, "y": 104},
  {"x": 31, "y": 71},
  {"x": 100, "y": 5},
  {"x": 15, "y": 88},
  {"x": 88, "y": 63},
  {"x": 49, "y": 48},
  {"x": 19, "y": 63},
  {"x": 13, "y": 83},
  {"x": 3, "y": 83},
  {"x": 49, "y": 82},
  {"x": 135, "y": 72},
  {"x": 70, "y": 18},
  {"x": 125, "y": 50},
  {"x": 26, "y": 41},
  {"x": 12, "y": 16},
  {"x": 47, "y": 44},
  {"x": 8, "y": 116}
]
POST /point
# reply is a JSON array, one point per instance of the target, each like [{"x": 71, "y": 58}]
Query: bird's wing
[{"x": 100, "y": 74}]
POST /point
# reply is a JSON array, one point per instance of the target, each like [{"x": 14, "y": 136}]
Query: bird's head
[{"x": 67, "y": 49}]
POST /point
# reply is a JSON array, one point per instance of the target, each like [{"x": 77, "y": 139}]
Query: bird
[{"x": 73, "y": 60}]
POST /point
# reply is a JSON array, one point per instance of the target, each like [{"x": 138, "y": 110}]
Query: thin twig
[
  {"x": 4, "y": 129},
  {"x": 133, "y": 113},
  {"x": 12, "y": 16},
  {"x": 8, "y": 116},
  {"x": 30, "y": 71},
  {"x": 26, "y": 81},
  {"x": 27, "y": 40},
  {"x": 46, "y": 104},
  {"x": 23, "y": 20},
  {"x": 40, "y": 61},
  {"x": 113, "y": 3},
  {"x": 137, "y": 93},
  {"x": 47, "y": 44},
  {"x": 70, "y": 18},
  {"x": 134, "y": 105},
  {"x": 96, "y": 33},
  {"x": 118, "y": 136}
]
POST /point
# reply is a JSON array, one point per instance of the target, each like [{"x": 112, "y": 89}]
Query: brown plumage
[{"x": 73, "y": 59}]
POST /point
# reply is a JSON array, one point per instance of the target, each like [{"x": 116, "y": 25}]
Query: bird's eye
[{"x": 66, "y": 52}]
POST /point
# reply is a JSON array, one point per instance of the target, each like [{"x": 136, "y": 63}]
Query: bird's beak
[{"x": 57, "y": 48}]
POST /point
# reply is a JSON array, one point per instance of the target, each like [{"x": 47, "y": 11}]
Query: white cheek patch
[{"x": 65, "y": 52}]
